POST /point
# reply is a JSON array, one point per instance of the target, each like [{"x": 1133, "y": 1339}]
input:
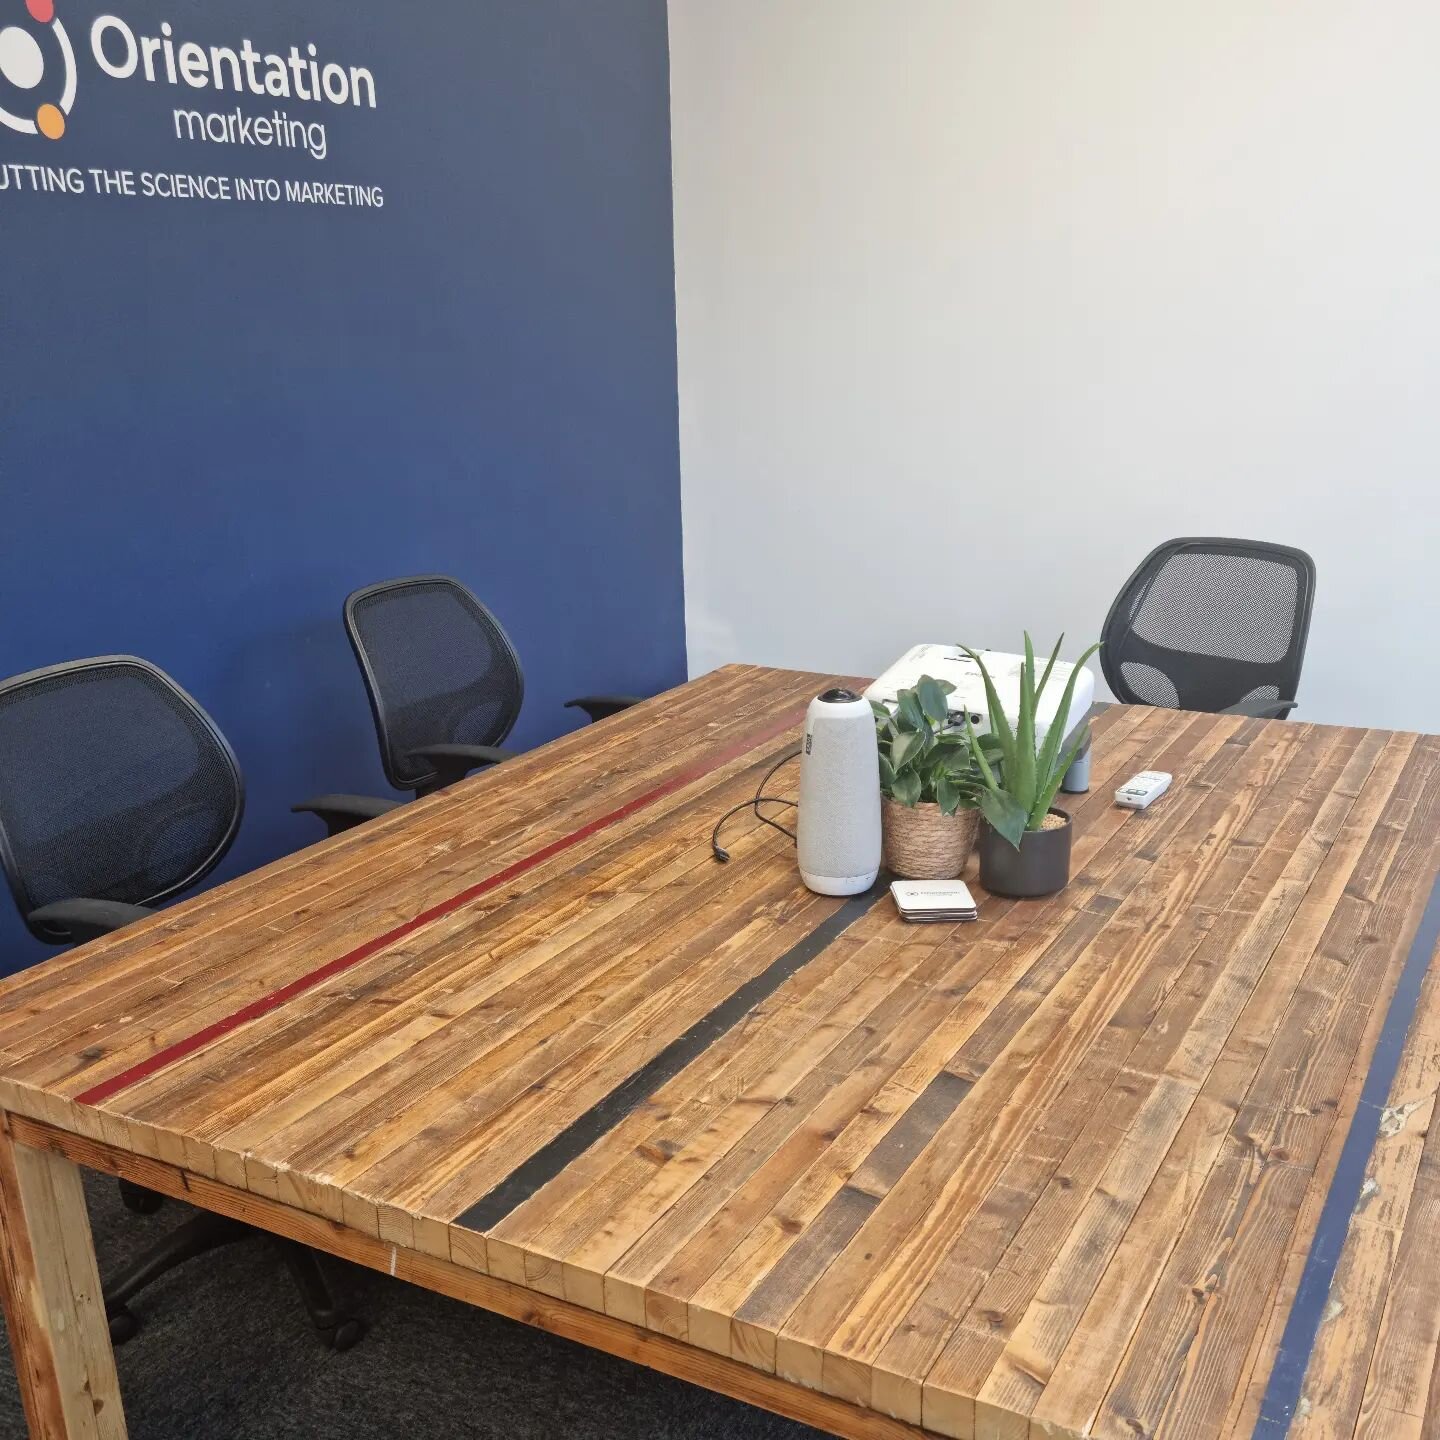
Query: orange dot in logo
[
  {"x": 50, "y": 121},
  {"x": 41, "y": 11}
]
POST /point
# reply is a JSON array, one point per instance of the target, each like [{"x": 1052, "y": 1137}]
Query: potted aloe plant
[
  {"x": 929, "y": 785},
  {"x": 1025, "y": 841}
]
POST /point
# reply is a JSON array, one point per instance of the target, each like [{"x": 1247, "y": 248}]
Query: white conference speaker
[{"x": 838, "y": 830}]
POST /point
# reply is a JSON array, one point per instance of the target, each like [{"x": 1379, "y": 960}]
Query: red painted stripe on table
[{"x": 256, "y": 1008}]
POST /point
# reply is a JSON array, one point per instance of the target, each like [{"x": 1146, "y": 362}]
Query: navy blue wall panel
[{"x": 217, "y": 417}]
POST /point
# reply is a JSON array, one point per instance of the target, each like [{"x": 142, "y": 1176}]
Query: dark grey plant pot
[{"x": 1041, "y": 865}]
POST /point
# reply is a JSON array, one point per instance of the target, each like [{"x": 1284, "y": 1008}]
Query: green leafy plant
[
  {"x": 1019, "y": 779},
  {"x": 922, "y": 761}
]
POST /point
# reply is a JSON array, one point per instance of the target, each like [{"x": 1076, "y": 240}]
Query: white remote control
[{"x": 1143, "y": 789}]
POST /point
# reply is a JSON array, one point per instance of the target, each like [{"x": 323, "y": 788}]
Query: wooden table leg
[{"x": 53, "y": 1305}]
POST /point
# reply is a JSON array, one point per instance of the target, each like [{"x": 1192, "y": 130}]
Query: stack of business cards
[{"x": 930, "y": 901}]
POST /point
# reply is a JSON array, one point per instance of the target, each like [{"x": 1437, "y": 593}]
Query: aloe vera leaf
[
  {"x": 999, "y": 723},
  {"x": 1004, "y": 815},
  {"x": 1022, "y": 783}
]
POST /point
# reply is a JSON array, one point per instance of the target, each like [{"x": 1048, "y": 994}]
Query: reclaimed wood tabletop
[{"x": 1149, "y": 1158}]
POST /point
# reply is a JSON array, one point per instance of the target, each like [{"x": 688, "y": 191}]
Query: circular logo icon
[{"x": 23, "y": 68}]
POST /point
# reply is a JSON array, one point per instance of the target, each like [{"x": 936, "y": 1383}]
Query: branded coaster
[{"x": 930, "y": 901}]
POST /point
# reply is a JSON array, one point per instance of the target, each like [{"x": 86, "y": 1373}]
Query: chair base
[
  {"x": 198, "y": 1236},
  {"x": 138, "y": 1200}
]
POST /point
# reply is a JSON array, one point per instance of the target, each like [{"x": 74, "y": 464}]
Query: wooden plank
[
  {"x": 461, "y": 1283},
  {"x": 498, "y": 1045},
  {"x": 1383, "y": 1304},
  {"x": 503, "y": 943},
  {"x": 1021, "y": 1279},
  {"x": 923, "y": 1073},
  {"x": 709, "y": 1177},
  {"x": 412, "y": 1066},
  {"x": 199, "y": 996},
  {"x": 819, "y": 1231},
  {"x": 1407, "y": 1343},
  {"x": 854, "y": 1308},
  {"x": 1055, "y": 1173},
  {"x": 468, "y": 1010},
  {"x": 664, "y": 903},
  {"x": 59, "y": 1339},
  {"x": 641, "y": 1083},
  {"x": 433, "y": 846},
  {"x": 1250, "y": 1201},
  {"x": 228, "y": 914},
  {"x": 459, "y": 903},
  {"x": 845, "y": 1040},
  {"x": 1020, "y": 1320},
  {"x": 1258, "y": 982}
]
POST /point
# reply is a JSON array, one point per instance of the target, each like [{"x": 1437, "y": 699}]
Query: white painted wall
[{"x": 980, "y": 299}]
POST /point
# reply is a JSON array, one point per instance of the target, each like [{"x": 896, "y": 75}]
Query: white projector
[{"x": 950, "y": 662}]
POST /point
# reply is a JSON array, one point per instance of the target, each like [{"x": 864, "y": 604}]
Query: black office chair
[
  {"x": 445, "y": 689},
  {"x": 117, "y": 791},
  {"x": 1215, "y": 625}
]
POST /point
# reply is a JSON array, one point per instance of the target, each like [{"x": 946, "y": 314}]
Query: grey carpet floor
[{"x": 226, "y": 1353}]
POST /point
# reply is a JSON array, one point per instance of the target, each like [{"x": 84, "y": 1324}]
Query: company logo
[{"x": 23, "y": 68}]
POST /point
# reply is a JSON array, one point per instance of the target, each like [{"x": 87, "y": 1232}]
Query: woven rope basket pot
[{"x": 923, "y": 844}]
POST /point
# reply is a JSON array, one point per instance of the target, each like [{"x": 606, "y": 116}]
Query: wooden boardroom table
[{"x": 1152, "y": 1157}]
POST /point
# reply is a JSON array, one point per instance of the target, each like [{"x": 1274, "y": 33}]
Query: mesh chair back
[
  {"x": 1206, "y": 623},
  {"x": 438, "y": 667},
  {"x": 114, "y": 785}
]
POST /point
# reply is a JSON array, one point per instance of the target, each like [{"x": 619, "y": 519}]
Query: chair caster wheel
[
  {"x": 344, "y": 1335},
  {"x": 138, "y": 1200},
  {"x": 123, "y": 1326}
]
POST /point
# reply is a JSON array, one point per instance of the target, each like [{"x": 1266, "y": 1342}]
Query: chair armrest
[
  {"x": 81, "y": 920},
  {"x": 471, "y": 756},
  {"x": 600, "y": 707},
  {"x": 1261, "y": 709},
  {"x": 454, "y": 762},
  {"x": 345, "y": 812}
]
